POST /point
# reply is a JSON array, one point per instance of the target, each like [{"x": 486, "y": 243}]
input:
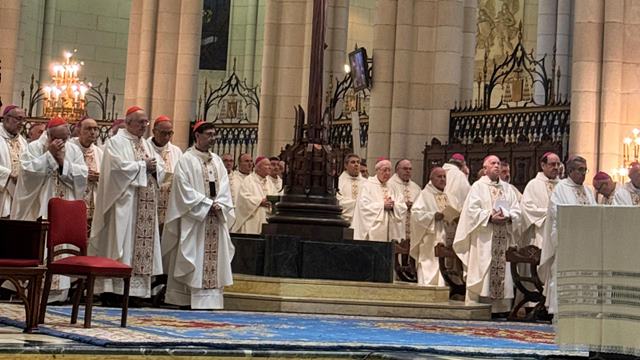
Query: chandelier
[
  {"x": 630, "y": 153},
  {"x": 65, "y": 97}
]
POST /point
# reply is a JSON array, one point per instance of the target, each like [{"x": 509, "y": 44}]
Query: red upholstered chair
[
  {"x": 22, "y": 263},
  {"x": 68, "y": 226}
]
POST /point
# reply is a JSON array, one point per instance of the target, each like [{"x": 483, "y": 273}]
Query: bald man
[
  {"x": 402, "y": 183},
  {"x": 88, "y": 132},
  {"x": 380, "y": 211},
  {"x": 483, "y": 235},
  {"x": 429, "y": 227},
  {"x": 125, "y": 220},
  {"x": 245, "y": 167},
  {"x": 252, "y": 205},
  {"x": 160, "y": 142},
  {"x": 629, "y": 194}
]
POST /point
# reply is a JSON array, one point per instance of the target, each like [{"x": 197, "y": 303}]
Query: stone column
[
  {"x": 423, "y": 51},
  {"x": 285, "y": 71},
  {"x": 162, "y": 60},
  {"x": 547, "y": 21},
  {"x": 336, "y": 38},
  {"x": 9, "y": 31},
  {"x": 587, "y": 73}
]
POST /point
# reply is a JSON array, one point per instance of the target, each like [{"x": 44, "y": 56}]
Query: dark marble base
[{"x": 295, "y": 257}]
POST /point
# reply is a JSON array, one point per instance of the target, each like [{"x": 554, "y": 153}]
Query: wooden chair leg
[
  {"x": 88, "y": 307},
  {"x": 76, "y": 301},
  {"x": 125, "y": 301},
  {"x": 45, "y": 297},
  {"x": 32, "y": 313}
]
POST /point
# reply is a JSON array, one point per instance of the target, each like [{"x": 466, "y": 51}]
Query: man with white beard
[
  {"x": 380, "y": 210},
  {"x": 196, "y": 245},
  {"x": 569, "y": 191},
  {"x": 483, "y": 235}
]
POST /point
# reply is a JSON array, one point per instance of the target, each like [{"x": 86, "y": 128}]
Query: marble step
[{"x": 256, "y": 293}]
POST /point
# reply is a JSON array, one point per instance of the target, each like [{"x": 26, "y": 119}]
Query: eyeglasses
[
  {"x": 582, "y": 170},
  {"x": 166, "y": 133},
  {"x": 19, "y": 118}
]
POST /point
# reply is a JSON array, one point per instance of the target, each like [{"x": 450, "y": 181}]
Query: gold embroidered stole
[
  {"x": 15, "y": 149},
  {"x": 407, "y": 221},
  {"x": 581, "y": 195},
  {"x": 499, "y": 244},
  {"x": 90, "y": 160},
  {"x": 354, "y": 187},
  {"x": 449, "y": 226},
  {"x": 165, "y": 188},
  {"x": 210, "y": 260},
  {"x": 145, "y": 226}
]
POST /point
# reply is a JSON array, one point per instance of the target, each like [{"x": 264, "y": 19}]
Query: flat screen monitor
[{"x": 359, "y": 69}]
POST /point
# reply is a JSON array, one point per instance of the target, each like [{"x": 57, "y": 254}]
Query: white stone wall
[
  {"x": 96, "y": 28},
  {"x": 361, "y": 24}
]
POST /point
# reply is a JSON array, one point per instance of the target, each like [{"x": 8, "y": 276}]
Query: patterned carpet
[{"x": 278, "y": 331}]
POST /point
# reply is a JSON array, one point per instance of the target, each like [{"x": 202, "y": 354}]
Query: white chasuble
[
  {"x": 370, "y": 219},
  {"x": 534, "y": 204},
  {"x": 457, "y": 186},
  {"x": 409, "y": 191},
  {"x": 348, "y": 190},
  {"x": 42, "y": 178},
  {"x": 249, "y": 214},
  {"x": 481, "y": 245},
  {"x": 11, "y": 149},
  {"x": 170, "y": 155},
  {"x": 125, "y": 221},
  {"x": 566, "y": 192},
  {"x": 628, "y": 195},
  {"x": 196, "y": 246},
  {"x": 427, "y": 232},
  {"x": 93, "y": 159}
]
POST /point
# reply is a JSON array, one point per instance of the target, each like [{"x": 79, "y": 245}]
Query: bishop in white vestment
[
  {"x": 50, "y": 167},
  {"x": 569, "y": 191},
  {"x": 125, "y": 221},
  {"x": 196, "y": 246},
  {"x": 402, "y": 183},
  {"x": 245, "y": 168},
  {"x": 483, "y": 235},
  {"x": 606, "y": 189},
  {"x": 380, "y": 211},
  {"x": 535, "y": 199},
  {"x": 457, "y": 181},
  {"x": 92, "y": 153},
  {"x": 12, "y": 145},
  {"x": 350, "y": 182},
  {"x": 629, "y": 194},
  {"x": 252, "y": 206},
  {"x": 160, "y": 142},
  {"x": 429, "y": 228}
]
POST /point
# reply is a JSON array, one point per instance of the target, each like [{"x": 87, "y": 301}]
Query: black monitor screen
[{"x": 359, "y": 69}]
